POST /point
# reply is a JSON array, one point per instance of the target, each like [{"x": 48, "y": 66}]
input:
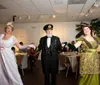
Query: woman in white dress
[{"x": 9, "y": 74}]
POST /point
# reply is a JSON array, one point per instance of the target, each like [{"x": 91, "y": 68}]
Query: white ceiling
[{"x": 42, "y": 10}]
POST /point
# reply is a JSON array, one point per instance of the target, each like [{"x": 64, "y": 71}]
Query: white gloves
[
  {"x": 32, "y": 46},
  {"x": 23, "y": 47},
  {"x": 26, "y": 47}
]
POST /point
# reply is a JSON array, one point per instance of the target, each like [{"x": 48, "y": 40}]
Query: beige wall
[{"x": 31, "y": 32}]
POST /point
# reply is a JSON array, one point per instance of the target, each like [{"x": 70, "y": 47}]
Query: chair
[
  {"x": 19, "y": 59},
  {"x": 67, "y": 65},
  {"x": 61, "y": 62},
  {"x": 64, "y": 61},
  {"x": 33, "y": 56}
]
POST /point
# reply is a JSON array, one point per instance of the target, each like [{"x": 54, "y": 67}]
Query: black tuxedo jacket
[
  {"x": 51, "y": 53},
  {"x": 54, "y": 47}
]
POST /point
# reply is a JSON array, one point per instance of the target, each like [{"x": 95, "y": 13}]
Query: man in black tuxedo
[{"x": 50, "y": 46}]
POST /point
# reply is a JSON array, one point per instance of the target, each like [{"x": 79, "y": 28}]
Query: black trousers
[
  {"x": 50, "y": 71},
  {"x": 50, "y": 79}
]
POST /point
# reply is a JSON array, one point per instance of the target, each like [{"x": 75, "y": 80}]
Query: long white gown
[{"x": 9, "y": 74}]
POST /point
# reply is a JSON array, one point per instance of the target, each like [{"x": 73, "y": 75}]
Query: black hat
[{"x": 48, "y": 26}]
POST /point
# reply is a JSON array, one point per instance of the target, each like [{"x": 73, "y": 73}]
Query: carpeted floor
[{"x": 36, "y": 77}]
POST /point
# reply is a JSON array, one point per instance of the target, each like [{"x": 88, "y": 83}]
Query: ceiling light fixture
[
  {"x": 54, "y": 16},
  {"x": 86, "y": 15},
  {"x": 93, "y": 7},
  {"x": 14, "y": 18},
  {"x": 97, "y": 3}
]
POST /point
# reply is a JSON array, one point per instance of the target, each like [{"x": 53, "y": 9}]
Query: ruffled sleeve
[
  {"x": 14, "y": 39},
  {"x": 1, "y": 35}
]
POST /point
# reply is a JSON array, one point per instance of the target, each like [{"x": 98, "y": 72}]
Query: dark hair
[
  {"x": 88, "y": 27},
  {"x": 21, "y": 43},
  {"x": 73, "y": 42},
  {"x": 13, "y": 48}
]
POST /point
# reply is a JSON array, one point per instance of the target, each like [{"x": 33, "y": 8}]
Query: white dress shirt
[{"x": 49, "y": 41}]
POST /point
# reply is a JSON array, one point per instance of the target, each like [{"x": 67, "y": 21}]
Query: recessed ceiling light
[{"x": 86, "y": 15}]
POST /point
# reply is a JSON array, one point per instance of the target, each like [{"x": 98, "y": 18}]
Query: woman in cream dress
[{"x": 9, "y": 74}]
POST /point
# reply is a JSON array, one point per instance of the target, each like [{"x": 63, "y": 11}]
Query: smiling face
[
  {"x": 87, "y": 31},
  {"x": 8, "y": 29}
]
